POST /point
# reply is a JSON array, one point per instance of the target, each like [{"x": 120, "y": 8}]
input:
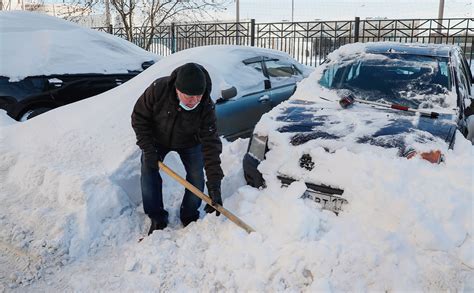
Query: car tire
[{"x": 33, "y": 113}]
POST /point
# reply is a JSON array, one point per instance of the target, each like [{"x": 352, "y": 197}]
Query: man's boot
[
  {"x": 188, "y": 218},
  {"x": 157, "y": 225}
]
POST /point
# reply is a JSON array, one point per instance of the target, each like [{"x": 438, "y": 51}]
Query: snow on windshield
[{"x": 410, "y": 80}]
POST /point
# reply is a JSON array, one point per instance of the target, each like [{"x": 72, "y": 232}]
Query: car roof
[{"x": 435, "y": 50}]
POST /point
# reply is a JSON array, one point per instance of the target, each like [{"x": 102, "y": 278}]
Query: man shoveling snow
[{"x": 176, "y": 113}]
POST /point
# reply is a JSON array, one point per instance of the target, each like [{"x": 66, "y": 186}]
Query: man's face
[{"x": 189, "y": 101}]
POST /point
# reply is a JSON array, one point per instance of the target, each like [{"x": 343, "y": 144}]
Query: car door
[
  {"x": 236, "y": 117},
  {"x": 283, "y": 76}
]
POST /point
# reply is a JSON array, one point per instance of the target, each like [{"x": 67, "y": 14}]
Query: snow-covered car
[
  {"x": 409, "y": 102},
  {"x": 246, "y": 82},
  {"x": 47, "y": 62}
]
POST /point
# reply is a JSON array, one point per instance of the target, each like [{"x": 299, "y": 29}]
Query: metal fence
[{"x": 308, "y": 42}]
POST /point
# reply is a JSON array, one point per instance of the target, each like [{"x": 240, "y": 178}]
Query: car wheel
[{"x": 33, "y": 113}]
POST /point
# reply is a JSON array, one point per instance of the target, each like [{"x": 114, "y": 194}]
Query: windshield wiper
[
  {"x": 433, "y": 115},
  {"x": 399, "y": 107},
  {"x": 350, "y": 96}
]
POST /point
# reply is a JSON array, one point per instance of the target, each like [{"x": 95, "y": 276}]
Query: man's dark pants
[{"x": 152, "y": 193}]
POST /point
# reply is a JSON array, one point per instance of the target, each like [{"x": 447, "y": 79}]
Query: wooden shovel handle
[{"x": 205, "y": 198}]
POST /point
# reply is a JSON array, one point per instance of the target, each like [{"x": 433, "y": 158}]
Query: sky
[{"x": 308, "y": 10}]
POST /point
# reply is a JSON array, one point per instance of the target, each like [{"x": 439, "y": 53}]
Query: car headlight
[{"x": 257, "y": 148}]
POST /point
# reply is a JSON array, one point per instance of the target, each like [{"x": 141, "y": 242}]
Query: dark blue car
[
  {"x": 247, "y": 82},
  {"x": 409, "y": 98}
]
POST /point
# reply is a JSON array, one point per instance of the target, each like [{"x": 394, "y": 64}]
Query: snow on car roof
[
  {"x": 35, "y": 44},
  {"x": 438, "y": 50},
  {"x": 435, "y": 50}
]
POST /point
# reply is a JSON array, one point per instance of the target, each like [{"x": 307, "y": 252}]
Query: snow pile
[
  {"x": 38, "y": 44},
  {"x": 407, "y": 227},
  {"x": 5, "y": 119},
  {"x": 71, "y": 211}
]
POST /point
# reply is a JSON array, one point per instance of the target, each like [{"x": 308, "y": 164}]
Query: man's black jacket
[{"x": 158, "y": 120}]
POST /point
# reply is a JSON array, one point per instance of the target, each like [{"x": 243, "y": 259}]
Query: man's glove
[
  {"x": 151, "y": 158},
  {"x": 214, "y": 189}
]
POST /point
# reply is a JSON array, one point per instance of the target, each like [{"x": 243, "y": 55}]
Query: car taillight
[{"x": 434, "y": 157}]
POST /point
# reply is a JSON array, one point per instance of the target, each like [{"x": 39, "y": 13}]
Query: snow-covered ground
[{"x": 71, "y": 215}]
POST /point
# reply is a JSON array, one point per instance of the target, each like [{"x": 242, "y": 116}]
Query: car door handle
[{"x": 264, "y": 99}]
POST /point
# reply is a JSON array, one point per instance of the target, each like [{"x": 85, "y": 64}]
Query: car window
[
  {"x": 278, "y": 68},
  {"x": 257, "y": 66},
  {"x": 462, "y": 64},
  {"x": 411, "y": 80},
  {"x": 463, "y": 83}
]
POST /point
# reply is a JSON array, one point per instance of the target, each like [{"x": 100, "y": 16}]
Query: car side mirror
[
  {"x": 229, "y": 93},
  {"x": 267, "y": 84},
  {"x": 147, "y": 64}
]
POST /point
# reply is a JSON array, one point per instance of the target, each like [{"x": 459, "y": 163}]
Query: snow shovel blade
[{"x": 205, "y": 198}]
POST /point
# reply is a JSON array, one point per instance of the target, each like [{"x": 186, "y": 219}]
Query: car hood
[{"x": 335, "y": 127}]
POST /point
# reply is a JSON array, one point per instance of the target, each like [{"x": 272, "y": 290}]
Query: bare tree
[
  {"x": 34, "y": 6},
  {"x": 73, "y": 10},
  {"x": 149, "y": 14}
]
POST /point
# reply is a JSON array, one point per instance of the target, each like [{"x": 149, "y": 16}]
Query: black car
[
  {"x": 409, "y": 98},
  {"x": 34, "y": 95},
  {"x": 59, "y": 62}
]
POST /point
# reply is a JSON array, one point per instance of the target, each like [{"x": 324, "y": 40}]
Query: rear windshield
[{"x": 411, "y": 80}]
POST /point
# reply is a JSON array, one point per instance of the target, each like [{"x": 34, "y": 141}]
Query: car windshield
[{"x": 410, "y": 80}]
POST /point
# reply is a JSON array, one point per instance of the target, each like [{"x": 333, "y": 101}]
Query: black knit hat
[{"x": 190, "y": 79}]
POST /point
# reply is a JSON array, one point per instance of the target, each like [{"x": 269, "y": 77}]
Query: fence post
[
  {"x": 110, "y": 29},
  {"x": 173, "y": 38},
  {"x": 356, "y": 29},
  {"x": 237, "y": 37},
  {"x": 252, "y": 32}
]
